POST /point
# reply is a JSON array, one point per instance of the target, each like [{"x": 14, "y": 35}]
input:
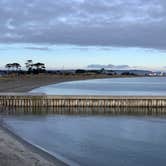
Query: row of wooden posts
[{"x": 19, "y": 100}]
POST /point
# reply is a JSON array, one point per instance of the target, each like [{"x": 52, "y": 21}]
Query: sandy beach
[
  {"x": 13, "y": 152},
  {"x": 25, "y": 83}
]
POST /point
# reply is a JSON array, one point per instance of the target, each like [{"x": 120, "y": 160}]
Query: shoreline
[
  {"x": 26, "y": 83},
  {"x": 15, "y": 151},
  {"x": 35, "y": 153},
  {"x": 55, "y": 159}
]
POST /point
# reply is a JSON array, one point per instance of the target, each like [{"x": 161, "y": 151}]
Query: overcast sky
[{"x": 82, "y": 32}]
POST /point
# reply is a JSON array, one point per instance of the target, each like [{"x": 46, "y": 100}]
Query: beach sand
[
  {"x": 25, "y": 83},
  {"x": 13, "y": 151}
]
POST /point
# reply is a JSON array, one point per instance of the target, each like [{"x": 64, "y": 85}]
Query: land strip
[{"x": 25, "y": 83}]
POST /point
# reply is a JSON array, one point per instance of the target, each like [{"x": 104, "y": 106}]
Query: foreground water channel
[{"x": 94, "y": 136}]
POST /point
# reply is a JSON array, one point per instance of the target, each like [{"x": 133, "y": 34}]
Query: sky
[{"x": 68, "y": 34}]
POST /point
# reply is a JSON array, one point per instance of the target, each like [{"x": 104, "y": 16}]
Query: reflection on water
[
  {"x": 94, "y": 136},
  {"x": 155, "y": 111}
]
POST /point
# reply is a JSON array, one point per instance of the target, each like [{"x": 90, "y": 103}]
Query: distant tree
[
  {"x": 35, "y": 68},
  {"x": 102, "y": 71},
  {"x": 8, "y": 66},
  {"x": 16, "y": 66},
  {"x": 128, "y": 73},
  {"x": 80, "y": 71},
  {"x": 39, "y": 67},
  {"x": 29, "y": 65}
]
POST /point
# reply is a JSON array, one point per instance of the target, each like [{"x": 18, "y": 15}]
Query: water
[
  {"x": 112, "y": 86},
  {"x": 88, "y": 140},
  {"x": 111, "y": 136}
]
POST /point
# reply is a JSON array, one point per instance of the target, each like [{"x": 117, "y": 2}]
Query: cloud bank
[
  {"x": 110, "y": 66},
  {"x": 120, "y": 23}
]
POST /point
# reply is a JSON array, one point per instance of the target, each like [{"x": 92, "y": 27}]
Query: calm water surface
[
  {"x": 97, "y": 140},
  {"x": 111, "y": 86}
]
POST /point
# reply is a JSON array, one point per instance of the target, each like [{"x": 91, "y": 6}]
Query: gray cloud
[
  {"x": 37, "y": 48},
  {"x": 129, "y": 23},
  {"x": 109, "y": 66}
]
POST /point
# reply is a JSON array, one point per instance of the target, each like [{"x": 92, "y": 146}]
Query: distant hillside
[{"x": 137, "y": 72}]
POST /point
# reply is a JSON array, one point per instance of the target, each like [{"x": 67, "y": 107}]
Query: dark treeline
[
  {"x": 32, "y": 68},
  {"x": 103, "y": 71},
  {"x": 36, "y": 68}
]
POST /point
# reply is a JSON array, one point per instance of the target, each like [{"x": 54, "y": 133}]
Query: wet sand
[{"x": 16, "y": 152}]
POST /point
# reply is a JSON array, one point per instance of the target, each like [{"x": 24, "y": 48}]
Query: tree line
[{"x": 31, "y": 67}]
